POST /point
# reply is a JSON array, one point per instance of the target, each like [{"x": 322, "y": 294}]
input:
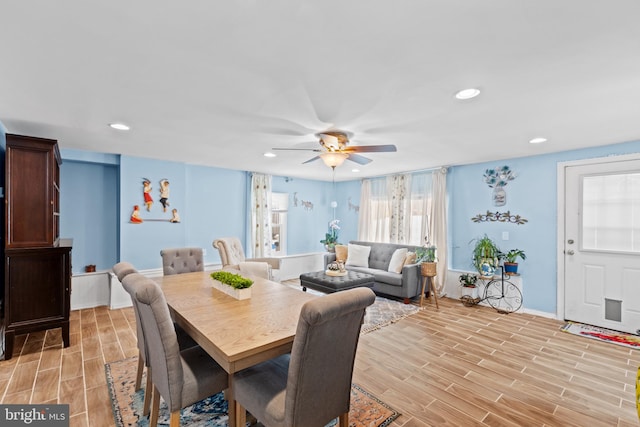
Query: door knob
[
  {"x": 570, "y": 241},
  {"x": 570, "y": 252}
]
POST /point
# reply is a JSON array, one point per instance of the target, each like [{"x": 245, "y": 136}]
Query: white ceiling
[{"x": 219, "y": 83}]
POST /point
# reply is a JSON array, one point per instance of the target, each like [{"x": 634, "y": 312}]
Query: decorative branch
[{"x": 500, "y": 217}]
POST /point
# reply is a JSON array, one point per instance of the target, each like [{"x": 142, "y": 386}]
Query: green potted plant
[
  {"x": 331, "y": 238},
  {"x": 485, "y": 256},
  {"x": 232, "y": 284},
  {"x": 510, "y": 264},
  {"x": 426, "y": 257},
  {"x": 468, "y": 283}
]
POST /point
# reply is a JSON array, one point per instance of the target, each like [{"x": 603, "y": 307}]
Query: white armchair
[{"x": 233, "y": 258}]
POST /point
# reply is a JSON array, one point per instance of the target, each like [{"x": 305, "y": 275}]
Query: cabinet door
[
  {"x": 29, "y": 192},
  {"x": 38, "y": 286}
]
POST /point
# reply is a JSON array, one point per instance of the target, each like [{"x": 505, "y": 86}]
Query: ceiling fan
[{"x": 335, "y": 149}]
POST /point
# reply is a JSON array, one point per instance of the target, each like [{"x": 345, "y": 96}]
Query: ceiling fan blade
[
  {"x": 371, "y": 149},
  {"x": 361, "y": 160},
  {"x": 317, "y": 150},
  {"x": 311, "y": 160}
]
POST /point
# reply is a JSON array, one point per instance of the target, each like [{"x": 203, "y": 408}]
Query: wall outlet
[
  {"x": 204, "y": 252},
  {"x": 505, "y": 235}
]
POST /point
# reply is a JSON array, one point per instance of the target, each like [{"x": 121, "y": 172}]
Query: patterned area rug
[
  {"x": 602, "y": 334},
  {"x": 384, "y": 312},
  {"x": 366, "y": 410},
  {"x": 381, "y": 313}
]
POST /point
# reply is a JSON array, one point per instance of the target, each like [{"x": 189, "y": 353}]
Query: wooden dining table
[{"x": 235, "y": 333}]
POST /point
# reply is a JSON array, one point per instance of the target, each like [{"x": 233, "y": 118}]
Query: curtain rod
[{"x": 441, "y": 168}]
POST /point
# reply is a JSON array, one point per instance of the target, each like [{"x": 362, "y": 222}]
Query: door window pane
[{"x": 611, "y": 212}]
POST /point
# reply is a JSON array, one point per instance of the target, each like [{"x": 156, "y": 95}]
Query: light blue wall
[
  {"x": 216, "y": 203},
  {"x": 533, "y": 195},
  {"x": 89, "y": 212},
  {"x": 348, "y": 217},
  {"x": 306, "y": 227},
  {"x": 212, "y": 202},
  {"x": 140, "y": 244}
]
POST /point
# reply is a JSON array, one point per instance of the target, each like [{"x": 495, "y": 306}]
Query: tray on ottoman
[{"x": 320, "y": 281}]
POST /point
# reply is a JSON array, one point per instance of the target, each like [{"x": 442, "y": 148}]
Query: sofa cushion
[
  {"x": 397, "y": 260},
  {"x": 341, "y": 253},
  {"x": 410, "y": 258},
  {"x": 358, "y": 256},
  {"x": 394, "y": 279}
]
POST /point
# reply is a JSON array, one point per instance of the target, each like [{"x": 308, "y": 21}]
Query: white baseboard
[{"x": 89, "y": 290}]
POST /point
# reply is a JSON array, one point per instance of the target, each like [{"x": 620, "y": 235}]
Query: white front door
[{"x": 602, "y": 244}]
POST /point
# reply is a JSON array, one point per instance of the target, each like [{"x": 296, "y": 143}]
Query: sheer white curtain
[
  {"x": 395, "y": 209},
  {"x": 420, "y": 208},
  {"x": 438, "y": 224},
  {"x": 399, "y": 188},
  {"x": 260, "y": 214},
  {"x": 407, "y": 209},
  {"x": 373, "y": 222}
]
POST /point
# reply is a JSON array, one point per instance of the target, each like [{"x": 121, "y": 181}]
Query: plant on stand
[
  {"x": 485, "y": 256},
  {"x": 468, "y": 283},
  {"x": 510, "y": 258},
  {"x": 331, "y": 238},
  {"x": 426, "y": 257}
]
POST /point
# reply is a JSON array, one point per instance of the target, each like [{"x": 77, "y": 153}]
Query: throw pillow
[
  {"x": 397, "y": 260},
  {"x": 358, "y": 255},
  {"x": 341, "y": 252},
  {"x": 410, "y": 258}
]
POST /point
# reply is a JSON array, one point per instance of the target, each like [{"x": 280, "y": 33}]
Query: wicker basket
[{"x": 428, "y": 269}]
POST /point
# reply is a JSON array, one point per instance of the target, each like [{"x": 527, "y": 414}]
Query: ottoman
[{"x": 322, "y": 282}]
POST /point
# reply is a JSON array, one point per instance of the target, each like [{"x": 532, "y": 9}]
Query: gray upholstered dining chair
[
  {"x": 182, "y": 378},
  {"x": 130, "y": 283},
  {"x": 311, "y": 386},
  {"x": 122, "y": 269},
  {"x": 181, "y": 260},
  {"x": 233, "y": 258}
]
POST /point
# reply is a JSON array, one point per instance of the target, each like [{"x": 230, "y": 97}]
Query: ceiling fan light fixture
[
  {"x": 333, "y": 159},
  {"x": 468, "y": 93}
]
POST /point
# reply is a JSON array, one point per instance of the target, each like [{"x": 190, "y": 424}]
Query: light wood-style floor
[{"x": 457, "y": 366}]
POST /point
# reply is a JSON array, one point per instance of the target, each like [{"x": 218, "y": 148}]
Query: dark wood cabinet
[
  {"x": 38, "y": 285},
  {"x": 32, "y": 195},
  {"x": 37, "y": 263}
]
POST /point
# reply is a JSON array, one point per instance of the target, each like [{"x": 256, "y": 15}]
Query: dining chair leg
[
  {"x": 139, "y": 373},
  {"x": 174, "y": 420},
  {"x": 240, "y": 414},
  {"x": 343, "y": 420},
  {"x": 149, "y": 391},
  {"x": 155, "y": 408}
]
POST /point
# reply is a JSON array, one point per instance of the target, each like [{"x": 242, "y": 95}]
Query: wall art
[
  {"x": 356, "y": 208},
  {"x": 497, "y": 179},
  {"x": 500, "y": 217},
  {"x": 147, "y": 200}
]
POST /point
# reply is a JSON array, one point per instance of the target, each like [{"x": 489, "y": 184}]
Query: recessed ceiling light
[
  {"x": 355, "y": 170},
  {"x": 269, "y": 154},
  {"x": 468, "y": 93},
  {"x": 119, "y": 126},
  {"x": 537, "y": 140}
]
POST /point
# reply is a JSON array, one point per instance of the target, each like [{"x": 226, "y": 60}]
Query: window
[
  {"x": 398, "y": 215},
  {"x": 611, "y": 212}
]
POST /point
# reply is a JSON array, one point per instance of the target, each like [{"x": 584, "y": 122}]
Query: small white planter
[
  {"x": 470, "y": 292},
  {"x": 231, "y": 291}
]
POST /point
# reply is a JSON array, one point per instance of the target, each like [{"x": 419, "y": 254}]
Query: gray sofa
[{"x": 405, "y": 285}]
